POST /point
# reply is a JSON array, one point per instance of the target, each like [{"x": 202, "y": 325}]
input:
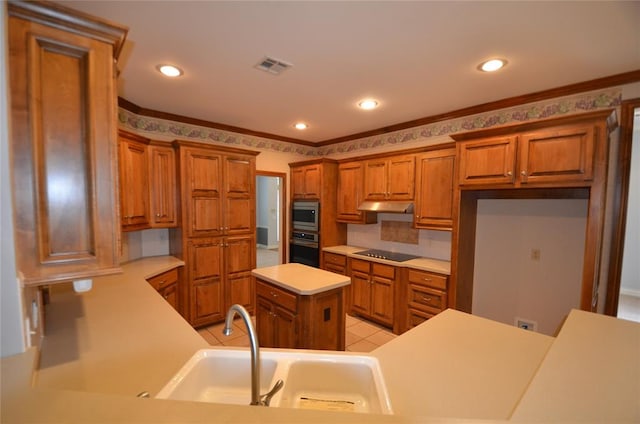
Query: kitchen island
[
  {"x": 298, "y": 306},
  {"x": 453, "y": 368}
]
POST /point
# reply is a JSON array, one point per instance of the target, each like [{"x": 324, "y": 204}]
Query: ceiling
[{"x": 417, "y": 58}]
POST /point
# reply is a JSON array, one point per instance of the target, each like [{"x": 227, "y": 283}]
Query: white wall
[
  {"x": 630, "y": 279},
  {"x": 508, "y": 283},
  {"x": 12, "y": 339}
]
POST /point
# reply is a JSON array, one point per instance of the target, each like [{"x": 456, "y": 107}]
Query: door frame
[{"x": 619, "y": 205}]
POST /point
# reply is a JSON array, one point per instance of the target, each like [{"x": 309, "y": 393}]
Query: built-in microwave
[{"x": 305, "y": 216}]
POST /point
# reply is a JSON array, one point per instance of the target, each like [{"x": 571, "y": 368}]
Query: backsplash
[
  {"x": 145, "y": 243},
  {"x": 431, "y": 244}
]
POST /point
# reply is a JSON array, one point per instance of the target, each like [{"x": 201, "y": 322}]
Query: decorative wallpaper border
[{"x": 569, "y": 105}]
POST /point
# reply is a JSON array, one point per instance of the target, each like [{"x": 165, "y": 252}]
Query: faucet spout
[{"x": 255, "y": 349}]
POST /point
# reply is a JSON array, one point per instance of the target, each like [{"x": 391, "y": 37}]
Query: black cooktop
[{"x": 383, "y": 254}]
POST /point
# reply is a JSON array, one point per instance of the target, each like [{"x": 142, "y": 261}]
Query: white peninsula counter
[{"x": 298, "y": 306}]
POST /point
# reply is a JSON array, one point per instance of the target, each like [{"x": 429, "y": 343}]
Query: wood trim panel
[
  {"x": 619, "y": 205},
  {"x": 566, "y": 90}
]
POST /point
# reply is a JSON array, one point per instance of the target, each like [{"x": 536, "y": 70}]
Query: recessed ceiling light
[
  {"x": 170, "y": 70},
  {"x": 301, "y": 126},
  {"x": 492, "y": 65},
  {"x": 368, "y": 104}
]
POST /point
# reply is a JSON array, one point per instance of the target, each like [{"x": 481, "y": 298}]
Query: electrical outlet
[{"x": 526, "y": 324}]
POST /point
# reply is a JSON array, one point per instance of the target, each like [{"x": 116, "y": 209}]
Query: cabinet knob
[
  {"x": 523, "y": 173},
  {"x": 157, "y": 215},
  {"x": 509, "y": 173}
]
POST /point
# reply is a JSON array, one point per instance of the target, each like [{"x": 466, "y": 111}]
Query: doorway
[
  {"x": 625, "y": 296},
  {"x": 270, "y": 218}
]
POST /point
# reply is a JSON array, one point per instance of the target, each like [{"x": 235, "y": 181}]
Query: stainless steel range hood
[{"x": 387, "y": 207}]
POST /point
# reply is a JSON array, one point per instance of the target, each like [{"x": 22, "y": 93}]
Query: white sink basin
[{"x": 312, "y": 379}]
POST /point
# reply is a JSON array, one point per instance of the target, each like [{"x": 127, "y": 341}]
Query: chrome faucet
[{"x": 256, "y": 399}]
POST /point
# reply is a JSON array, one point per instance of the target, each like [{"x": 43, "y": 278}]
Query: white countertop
[
  {"x": 301, "y": 279},
  {"x": 460, "y": 365},
  {"x": 591, "y": 373},
  {"x": 105, "y": 346},
  {"x": 424, "y": 264}
]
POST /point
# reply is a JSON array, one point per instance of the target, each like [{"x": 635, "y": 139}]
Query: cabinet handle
[
  {"x": 274, "y": 294},
  {"x": 426, "y": 299},
  {"x": 523, "y": 173},
  {"x": 427, "y": 279},
  {"x": 162, "y": 282}
]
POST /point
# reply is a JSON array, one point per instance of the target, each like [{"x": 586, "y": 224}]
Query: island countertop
[{"x": 301, "y": 279}]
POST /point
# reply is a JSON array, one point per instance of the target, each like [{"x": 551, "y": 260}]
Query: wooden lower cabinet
[
  {"x": 426, "y": 296},
  {"x": 373, "y": 287},
  {"x": 335, "y": 263},
  {"x": 219, "y": 276},
  {"x": 285, "y": 319},
  {"x": 168, "y": 285}
]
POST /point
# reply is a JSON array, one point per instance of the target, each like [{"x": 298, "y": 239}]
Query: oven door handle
[{"x": 304, "y": 243}]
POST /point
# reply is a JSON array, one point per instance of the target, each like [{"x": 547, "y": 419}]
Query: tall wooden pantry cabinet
[{"x": 216, "y": 238}]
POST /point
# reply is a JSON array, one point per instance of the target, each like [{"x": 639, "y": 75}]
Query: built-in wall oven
[
  {"x": 305, "y": 216},
  {"x": 304, "y": 248}
]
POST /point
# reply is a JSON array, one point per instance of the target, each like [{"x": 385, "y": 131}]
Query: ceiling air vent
[{"x": 273, "y": 66}]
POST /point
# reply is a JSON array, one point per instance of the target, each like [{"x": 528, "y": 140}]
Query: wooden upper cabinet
[
  {"x": 350, "y": 194},
  {"x": 162, "y": 187},
  {"x": 306, "y": 182},
  {"x": 389, "y": 178},
  {"x": 63, "y": 159},
  {"x": 546, "y": 156},
  {"x": 134, "y": 182},
  {"x": 202, "y": 181},
  {"x": 557, "y": 154},
  {"x": 239, "y": 194},
  {"x": 434, "y": 191},
  {"x": 487, "y": 161}
]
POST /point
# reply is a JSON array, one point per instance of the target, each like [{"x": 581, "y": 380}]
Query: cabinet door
[
  {"x": 382, "y": 299},
  {"x": 297, "y": 183},
  {"x": 62, "y": 114},
  {"x": 170, "y": 294},
  {"x": 239, "y": 259},
  {"x": 375, "y": 180},
  {"x": 239, "y": 197},
  {"x": 205, "y": 281},
  {"x": 557, "y": 154},
  {"x": 265, "y": 326},
  {"x": 434, "y": 194},
  {"x": 401, "y": 177},
  {"x": 350, "y": 194},
  {"x": 487, "y": 161},
  {"x": 134, "y": 181},
  {"x": 360, "y": 292},
  {"x": 286, "y": 328},
  {"x": 203, "y": 203},
  {"x": 162, "y": 185},
  {"x": 313, "y": 181}
]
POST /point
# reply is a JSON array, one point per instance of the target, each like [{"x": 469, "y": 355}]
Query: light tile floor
[{"x": 361, "y": 335}]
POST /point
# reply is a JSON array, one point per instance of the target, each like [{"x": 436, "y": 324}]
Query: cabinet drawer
[
  {"x": 276, "y": 295},
  {"x": 360, "y": 265},
  {"x": 426, "y": 298},
  {"x": 335, "y": 259},
  {"x": 417, "y": 317},
  {"x": 384, "y": 270},
  {"x": 165, "y": 279},
  {"x": 424, "y": 278},
  {"x": 335, "y": 268}
]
